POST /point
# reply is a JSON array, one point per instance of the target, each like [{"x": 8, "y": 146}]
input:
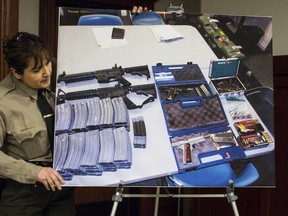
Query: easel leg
[
  {"x": 179, "y": 202},
  {"x": 232, "y": 197},
  {"x": 157, "y": 201},
  {"x": 117, "y": 198}
]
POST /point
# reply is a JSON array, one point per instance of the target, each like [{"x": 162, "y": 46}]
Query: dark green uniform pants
[{"x": 36, "y": 200}]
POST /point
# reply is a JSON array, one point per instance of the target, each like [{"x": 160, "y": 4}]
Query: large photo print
[{"x": 164, "y": 99}]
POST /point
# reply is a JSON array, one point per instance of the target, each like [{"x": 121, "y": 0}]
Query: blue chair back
[
  {"x": 218, "y": 175},
  {"x": 147, "y": 18},
  {"x": 99, "y": 19},
  {"x": 247, "y": 176}
]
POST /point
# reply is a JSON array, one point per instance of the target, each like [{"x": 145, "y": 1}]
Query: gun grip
[
  {"x": 124, "y": 82},
  {"x": 187, "y": 153},
  {"x": 130, "y": 105}
]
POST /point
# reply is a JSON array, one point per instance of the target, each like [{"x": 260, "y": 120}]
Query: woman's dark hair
[{"x": 21, "y": 48}]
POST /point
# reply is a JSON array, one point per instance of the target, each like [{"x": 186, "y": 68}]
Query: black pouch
[{"x": 118, "y": 33}]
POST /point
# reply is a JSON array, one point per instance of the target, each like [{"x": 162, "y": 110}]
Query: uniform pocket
[
  {"x": 29, "y": 132},
  {"x": 33, "y": 142}
]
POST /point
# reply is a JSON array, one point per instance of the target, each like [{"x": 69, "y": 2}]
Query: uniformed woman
[{"x": 32, "y": 186}]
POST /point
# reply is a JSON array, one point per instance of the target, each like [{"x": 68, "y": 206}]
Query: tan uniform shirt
[{"x": 23, "y": 133}]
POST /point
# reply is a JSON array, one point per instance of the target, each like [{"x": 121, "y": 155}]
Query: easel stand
[{"x": 231, "y": 197}]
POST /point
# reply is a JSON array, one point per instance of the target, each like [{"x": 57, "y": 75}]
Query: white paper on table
[
  {"x": 165, "y": 33},
  {"x": 104, "y": 39}
]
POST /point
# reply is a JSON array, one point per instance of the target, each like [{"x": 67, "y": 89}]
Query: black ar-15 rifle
[
  {"x": 105, "y": 76},
  {"x": 112, "y": 92}
]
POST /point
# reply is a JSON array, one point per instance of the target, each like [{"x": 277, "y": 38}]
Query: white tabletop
[{"x": 78, "y": 51}]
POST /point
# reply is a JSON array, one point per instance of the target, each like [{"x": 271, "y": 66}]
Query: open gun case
[
  {"x": 196, "y": 122},
  {"x": 223, "y": 75}
]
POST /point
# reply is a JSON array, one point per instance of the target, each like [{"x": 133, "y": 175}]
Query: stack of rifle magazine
[
  {"x": 93, "y": 152},
  {"x": 116, "y": 150},
  {"x": 64, "y": 116},
  {"x": 60, "y": 150},
  {"x": 89, "y": 163},
  {"x": 139, "y": 132},
  {"x": 107, "y": 112},
  {"x": 123, "y": 148},
  {"x": 80, "y": 115},
  {"x": 75, "y": 152},
  {"x": 93, "y": 113},
  {"x": 107, "y": 146},
  {"x": 121, "y": 116},
  {"x": 92, "y": 137}
]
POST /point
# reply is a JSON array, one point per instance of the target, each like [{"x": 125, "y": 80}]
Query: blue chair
[
  {"x": 147, "y": 18},
  {"x": 247, "y": 176},
  {"x": 262, "y": 100},
  {"x": 99, "y": 19},
  {"x": 218, "y": 175}
]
